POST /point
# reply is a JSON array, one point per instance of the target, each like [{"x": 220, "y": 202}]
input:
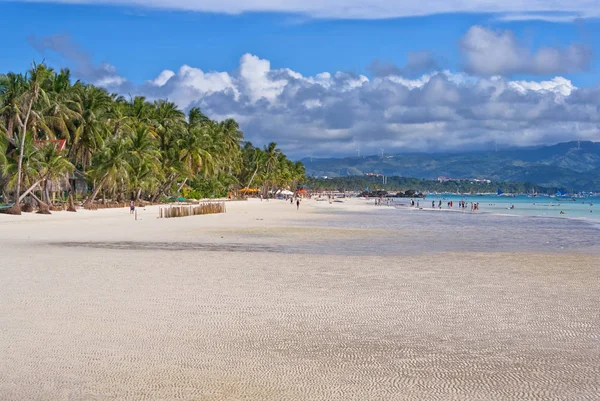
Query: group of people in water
[
  {"x": 388, "y": 201},
  {"x": 450, "y": 204}
]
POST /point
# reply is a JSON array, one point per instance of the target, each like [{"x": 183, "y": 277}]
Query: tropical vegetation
[{"x": 53, "y": 130}]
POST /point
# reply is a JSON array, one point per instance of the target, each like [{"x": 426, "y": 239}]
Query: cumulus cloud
[
  {"x": 331, "y": 114},
  {"x": 370, "y": 9},
  {"x": 489, "y": 52},
  {"x": 102, "y": 74}
]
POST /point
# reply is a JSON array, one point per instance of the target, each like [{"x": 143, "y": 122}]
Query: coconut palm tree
[
  {"x": 12, "y": 87},
  {"x": 53, "y": 166},
  {"x": 92, "y": 130},
  {"x": 36, "y": 77},
  {"x": 144, "y": 159},
  {"x": 112, "y": 165},
  {"x": 61, "y": 112}
]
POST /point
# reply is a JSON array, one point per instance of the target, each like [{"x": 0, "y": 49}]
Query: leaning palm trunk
[
  {"x": 31, "y": 188},
  {"x": 22, "y": 144},
  {"x": 43, "y": 207},
  {"x": 251, "y": 179},
  {"x": 163, "y": 187},
  {"x": 181, "y": 186},
  {"x": 96, "y": 190}
]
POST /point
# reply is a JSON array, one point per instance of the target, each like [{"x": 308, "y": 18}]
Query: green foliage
[{"x": 125, "y": 148}]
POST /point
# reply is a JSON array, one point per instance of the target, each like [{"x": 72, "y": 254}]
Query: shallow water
[
  {"x": 541, "y": 206},
  {"x": 411, "y": 231}
]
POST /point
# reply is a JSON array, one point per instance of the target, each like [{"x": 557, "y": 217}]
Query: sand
[{"x": 98, "y": 306}]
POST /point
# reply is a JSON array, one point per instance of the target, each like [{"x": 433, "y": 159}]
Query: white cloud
[
  {"x": 162, "y": 78},
  {"x": 558, "y": 85},
  {"x": 253, "y": 74},
  {"x": 489, "y": 52},
  {"x": 333, "y": 113},
  {"x": 371, "y": 9},
  {"x": 188, "y": 85}
]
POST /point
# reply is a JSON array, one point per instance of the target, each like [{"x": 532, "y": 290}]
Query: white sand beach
[{"x": 95, "y": 305}]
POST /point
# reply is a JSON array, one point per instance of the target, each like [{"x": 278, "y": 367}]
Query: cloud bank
[
  {"x": 488, "y": 52},
  {"x": 333, "y": 113},
  {"x": 374, "y": 9}
]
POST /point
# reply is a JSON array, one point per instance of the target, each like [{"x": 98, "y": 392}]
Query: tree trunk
[
  {"x": 252, "y": 178},
  {"x": 22, "y": 145},
  {"x": 31, "y": 188},
  {"x": 46, "y": 193},
  {"x": 44, "y": 208},
  {"x": 71, "y": 207},
  {"x": 162, "y": 188},
  {"x": 97, "y": 190},
  {"x": 10, "y": 128},
  {"x": 181, "y": 186}
]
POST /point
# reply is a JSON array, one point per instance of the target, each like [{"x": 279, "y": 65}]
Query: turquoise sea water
[{"x": 541, "y": 206}]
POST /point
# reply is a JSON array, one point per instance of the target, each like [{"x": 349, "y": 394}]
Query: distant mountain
[{"x": 572, "y": 165}]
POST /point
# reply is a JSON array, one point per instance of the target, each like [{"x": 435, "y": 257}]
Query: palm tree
[
  {"x": 35, "y": 80},
  {"x": 91, "y": 128},
  {"x": 12, "y": 87},
  {"x": 272, "y": 153},
  {"x": 112, "y": 165},
  {"x": 196, "y": 117},
  {"x": 61, "y": 113},
  {"x": 144, "y": 159},
  {"x": 53, "y": 166}
]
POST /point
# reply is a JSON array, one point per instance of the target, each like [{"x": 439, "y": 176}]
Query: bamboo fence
[{"x": 192, "y": 210}]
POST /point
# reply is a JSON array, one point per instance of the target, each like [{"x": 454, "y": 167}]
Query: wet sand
[{"x": 97, "y": 306}]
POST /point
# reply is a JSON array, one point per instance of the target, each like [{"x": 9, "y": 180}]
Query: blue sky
[{"x": 139, "y": 43}]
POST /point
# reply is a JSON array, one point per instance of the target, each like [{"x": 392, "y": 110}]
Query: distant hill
[{"x": 566, "y": 165}]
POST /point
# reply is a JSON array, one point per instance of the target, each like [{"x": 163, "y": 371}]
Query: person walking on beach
[
  {"x": 131, "y": 207},
  {"x": 298, "y": 204}
]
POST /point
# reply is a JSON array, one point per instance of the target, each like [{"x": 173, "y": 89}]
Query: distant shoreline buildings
[{"x": 446, "y": 179}]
